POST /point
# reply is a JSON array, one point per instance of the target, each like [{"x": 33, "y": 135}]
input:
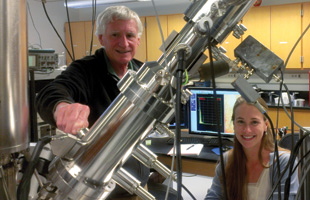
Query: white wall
[
  {"x": 143, "y": 9},
  {"x": 58, "y": 16}
]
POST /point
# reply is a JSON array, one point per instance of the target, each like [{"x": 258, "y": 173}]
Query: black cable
[
  {"x": 24, "y": 185},
  {"x": 288, "y": 181},
  {"x": 56, "y": 31},
  {"x": 93, "y": 25},
  {"x": 290, "y": 162},
  {"x": 284, "y": 108},
  {"x": 215, "y": 107},
  {"x": 302, "y": 181},
  {"x": 188, "y": 192},
  {"x": 305, "y": 169},
  {"x": 287, "y": 184},
  {"x": 70, "y": 33},
  {"x": 303, "y": 157},
  {"x": 276, "y": 152},
  {"x": 293, "y": 157},
  {"x": 282, "y": 77},
  {"x": 291, "y": 109},
  {"x": 180, "y": 70}
]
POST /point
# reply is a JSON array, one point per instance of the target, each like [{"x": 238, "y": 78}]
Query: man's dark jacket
[{"x": 87, "y": 81}]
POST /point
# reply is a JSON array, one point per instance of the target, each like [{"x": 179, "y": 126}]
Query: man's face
[{"x": 120, "y": 41}]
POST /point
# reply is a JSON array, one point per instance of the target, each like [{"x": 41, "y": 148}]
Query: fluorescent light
[{"x": 88, "y": 3}]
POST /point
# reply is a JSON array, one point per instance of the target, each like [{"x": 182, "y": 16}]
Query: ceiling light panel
[{"x": 89, "y": 3}]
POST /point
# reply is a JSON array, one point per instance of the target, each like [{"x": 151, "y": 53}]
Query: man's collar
[{"x": 110, "y": 68}]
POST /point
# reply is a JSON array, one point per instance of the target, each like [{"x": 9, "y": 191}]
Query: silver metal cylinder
[
  {"x": 13, "y": 91},
  {"x": 13, "y": 77},
  {"x": 131, "y": 184},
  {"x": 110, "y": 141},
  {"x": 149, "y": 159}
]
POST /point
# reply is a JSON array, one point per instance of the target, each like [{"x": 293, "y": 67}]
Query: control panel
[{"x": 42, "y": 59}]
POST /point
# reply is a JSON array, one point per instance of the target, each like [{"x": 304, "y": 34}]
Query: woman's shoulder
[
  {"x": 282, "y": 153},
  {"x": 284, "y": 156},
  {"x": 226, "y": 156}
]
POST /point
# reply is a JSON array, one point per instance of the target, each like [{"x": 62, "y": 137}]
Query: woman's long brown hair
[{"x": 235, "y": 170}]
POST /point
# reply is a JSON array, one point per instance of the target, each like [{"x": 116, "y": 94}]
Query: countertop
[{"x": 273, "y": 105}]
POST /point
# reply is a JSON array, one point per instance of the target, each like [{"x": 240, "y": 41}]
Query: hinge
[
  {"x": 145, "y": 24},
  {"x": 301, "y": 59},
  {"x": 302, "y": 12}
]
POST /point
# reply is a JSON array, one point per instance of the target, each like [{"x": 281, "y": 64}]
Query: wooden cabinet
[
  {"x": 89, "y": 29},
  {"x": 175, "y": 22},
  {"x": 141, "y": 51},
  {"x": 285, "y": 30},
  {"x": 229, "y": 44},
  {"x": 306, "y": 37},
  {"x": 78, "y": 40},
  {"x": 301, "y": 116},
  {"x": 257, "y": 21},
  {"x": 81, "y": 33},
  {"x": 154, "y": 38}
]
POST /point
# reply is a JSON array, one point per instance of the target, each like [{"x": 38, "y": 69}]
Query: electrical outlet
[
  {"x": 231, "y": 75},
  {"x": 295, "y": 75}
]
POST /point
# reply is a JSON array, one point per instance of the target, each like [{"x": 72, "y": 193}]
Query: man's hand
[{"x": 71, "y": 117}]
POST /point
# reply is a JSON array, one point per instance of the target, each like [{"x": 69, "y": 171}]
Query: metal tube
[
  {"x": 221, "y": 15},
  {"x": 131, "y": 184},
  {"x": 148, "y": 158},
  {"x": 13, "y": 77},
  {"x": 13, "y": 91},
  {"x": 109, "y": 142}
]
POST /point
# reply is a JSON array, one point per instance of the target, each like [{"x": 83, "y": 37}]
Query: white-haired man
[{"x": 78, "y": 97}]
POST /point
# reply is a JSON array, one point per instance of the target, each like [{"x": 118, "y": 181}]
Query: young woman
[{"x": 250, "y": 168}]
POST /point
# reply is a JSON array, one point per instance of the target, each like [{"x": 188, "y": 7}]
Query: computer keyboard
[{"x": 200, "y": 140}]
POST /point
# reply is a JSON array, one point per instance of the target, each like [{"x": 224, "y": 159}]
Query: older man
[{"x": 78, "y": 97}]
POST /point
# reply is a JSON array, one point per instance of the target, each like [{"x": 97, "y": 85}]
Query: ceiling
[
  {"x": 173, "y": 6},
  {"x": 161, "y": 3}
]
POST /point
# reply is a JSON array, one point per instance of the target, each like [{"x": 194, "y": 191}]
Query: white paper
[{"x": 189, "y": 149}]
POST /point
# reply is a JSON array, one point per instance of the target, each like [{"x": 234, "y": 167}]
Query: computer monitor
[
  {"x": 202, "y": 119},
  {"x": 183, "y": 118}
]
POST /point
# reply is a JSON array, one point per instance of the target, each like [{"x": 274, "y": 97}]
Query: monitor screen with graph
[{"x": 202, "y": 119}]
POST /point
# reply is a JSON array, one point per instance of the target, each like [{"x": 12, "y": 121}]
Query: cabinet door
[
  {"x": 175, "y": 22},
  {"x": 78, "y": 40},
  {"x": 230, "y": 43},
  {"x": 153, "y": 36},
  {"x": 89, "y": 36},
  {"x": 306, "y": 38},
  {"x": 141, "y": 51},
  {"x": 257, "y": 21},
  {"x": 285, "y": 31},
  {"x": 301, "y": 116}
]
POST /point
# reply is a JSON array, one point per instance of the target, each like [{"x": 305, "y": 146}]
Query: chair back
[{"x": 286, "y": 141}]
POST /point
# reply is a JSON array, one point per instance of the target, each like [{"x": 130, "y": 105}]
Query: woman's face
[{"x": 249, "y": 126}]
